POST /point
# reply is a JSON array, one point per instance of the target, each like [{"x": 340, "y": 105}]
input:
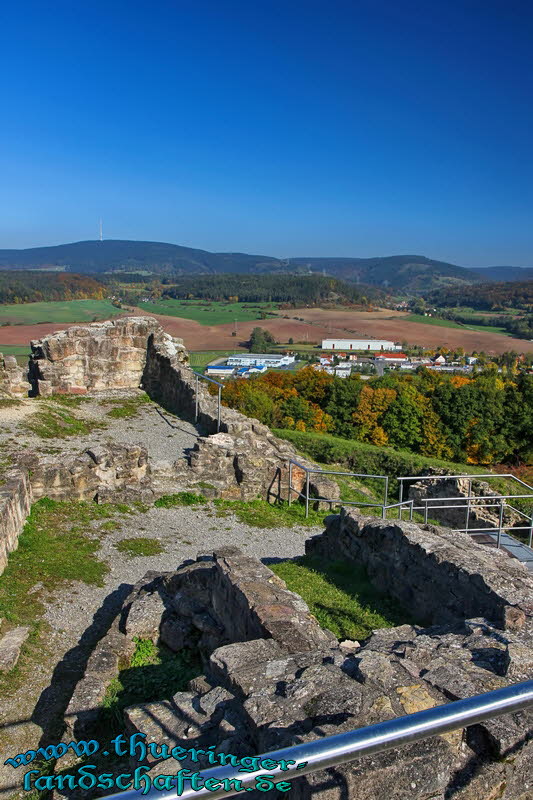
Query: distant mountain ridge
[{"x": 400, "y": 272}]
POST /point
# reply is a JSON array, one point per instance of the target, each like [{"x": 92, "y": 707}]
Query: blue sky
[{"x": 357, "y": 128}]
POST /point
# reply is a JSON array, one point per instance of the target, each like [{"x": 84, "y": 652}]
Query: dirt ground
[{"x": 318, "y": 324}]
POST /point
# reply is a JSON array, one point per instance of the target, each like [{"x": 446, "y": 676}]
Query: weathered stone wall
[
  {"x": 243, "y": 461},
  {"x": 96, "y": 357},
  {"x": 16, "y": 497},
  {"x": 13, "y": 378},
  {"x": 272, "y": 678},
  {"x": 111, "y": 473},
  {"x": 435, "y": 574}
]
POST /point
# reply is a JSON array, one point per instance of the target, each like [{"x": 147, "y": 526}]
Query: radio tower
[{"x": 101, "y": 231}]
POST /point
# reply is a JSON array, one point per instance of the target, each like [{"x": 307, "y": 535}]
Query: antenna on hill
[{"x": 101, "y": 237}]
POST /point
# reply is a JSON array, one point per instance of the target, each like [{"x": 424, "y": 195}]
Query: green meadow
[
  {"x": 207, "y": 312},
  {"x": 57, "y": 311}
]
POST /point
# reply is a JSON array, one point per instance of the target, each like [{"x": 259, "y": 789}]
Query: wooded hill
[
  {"x": 399, "y": 272},
  {"x": 33, "y": 287},
  {"x": 486, "y": 296}
]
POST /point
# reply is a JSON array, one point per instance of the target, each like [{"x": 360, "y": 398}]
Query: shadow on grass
[{"x": 340, "y": 595}]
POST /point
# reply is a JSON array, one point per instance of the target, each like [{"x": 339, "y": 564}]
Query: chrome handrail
[
  {"x": 331, "y": 751},
  {"x": 196, "y": 398},
  {"x": 332, "y": 501}
]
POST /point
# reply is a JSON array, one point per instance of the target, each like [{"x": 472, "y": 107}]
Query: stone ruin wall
[
  {"x": 96, "y": 357},
  {"x": 243, "y": 461},
  {"x": 273, "y": 678},
  {"x": 13, "y": 378}
]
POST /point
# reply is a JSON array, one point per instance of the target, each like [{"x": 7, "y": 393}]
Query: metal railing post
[
  {"x": 386, "y": 490},
  {"x": 531, "y": 533},
  {"x": 196, "y": 402},
  {"x": 306, "y": 493},
  {"x": 400, "y": 498},
  {"x": 411, "y": 511},
  {"x": 290, "y": 483},
  {"x": 468, "y": 506},
  {"x": 500, "y": 526},
  {"x": 219, "y": 404},
  {"x": 425, "y": 510},
  {"x": 383, "y": 511}
]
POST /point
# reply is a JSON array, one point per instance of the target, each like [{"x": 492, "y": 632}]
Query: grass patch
[
  {"x": 126, "y": 407},
  {"x": 180, "y": 499},
  {"x": 200, "y": 360},
  {"x": 9, "y": 402},
  {"x": 68, "y": 400},
  {"x": 58, "y": 423},
  {"x": 53, "y": 549},
  {"x": 57, "y": 311},
  {"x": 140, "y": 546},
  {"x": 153, "y": 673},
  {"x": 260, "y": 514},
  {"x": 340, "y": 596},
  {"x": 208, "y": 312}
]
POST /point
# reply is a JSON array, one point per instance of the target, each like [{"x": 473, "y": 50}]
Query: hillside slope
[{"x": 399, "y": 272}]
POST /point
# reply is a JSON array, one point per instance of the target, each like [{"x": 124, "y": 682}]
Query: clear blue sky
[{"x": 285, "y": 127}]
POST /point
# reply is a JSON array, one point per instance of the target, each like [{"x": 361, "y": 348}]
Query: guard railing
[
  {"x": 197, "y": 398},
  {"x": 471, "y": 501},
  {"x": 292, "y": 490}
]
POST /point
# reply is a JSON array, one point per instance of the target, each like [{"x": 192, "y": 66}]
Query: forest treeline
[
  {"x": 485, "y": 296},
  {"x": 293, "y": 289},
  {"x": 485, "y": 418},
  {"x": 25, "y": 286}
]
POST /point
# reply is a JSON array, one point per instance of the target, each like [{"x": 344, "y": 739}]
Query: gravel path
[{"x": 165, "y": 436}]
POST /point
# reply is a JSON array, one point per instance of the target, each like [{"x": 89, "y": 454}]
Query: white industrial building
[
  {"x": 260, "y": 359},
  {"x": 372, "y": 345}
]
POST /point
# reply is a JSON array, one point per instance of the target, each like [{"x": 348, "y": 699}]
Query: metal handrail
[
  {"x": 473, "y": 476},
  {"x": 312, "y": 471},
  {"x": 196, "y": 398},
  {"x": 331, "y": 751},
  {"x": 473, "y": 501}
]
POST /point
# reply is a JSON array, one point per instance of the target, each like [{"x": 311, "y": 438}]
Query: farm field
[
  {"x": 310, "y": 327},
  {"x": 448, "y": 323},
  {"x": 58, "y": 312},
  {"x": 206, "y": 312},
  {"x": 200, "y": 360},
  {"x": 395, "y": 326}
]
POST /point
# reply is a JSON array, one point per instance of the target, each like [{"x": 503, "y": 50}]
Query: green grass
[
  {"x": 126, "y": 407},
  {"x": 139, "y": 546},
  {"x": 448, "y": 323},
  {"x": 200, "y": 360},
  {"x": 443, "y": 323},
  {"x": 340, "y": 596},
  {"x": 153, "y": 673},
  {"x": 68, "y": 400},
  {"x": 180, "y": 499},
  {"x": 260, "y": 514},
  {"x": 332, "y": 451},
  {"x": 58, "y": 311},
  {"x": 14, "y": 349},
  {"x": 53, "y": 550},
  {"x": 9, "y": 402},
  {"x": 207, "y": 312},
  {"x": 58, "y": 423}
]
